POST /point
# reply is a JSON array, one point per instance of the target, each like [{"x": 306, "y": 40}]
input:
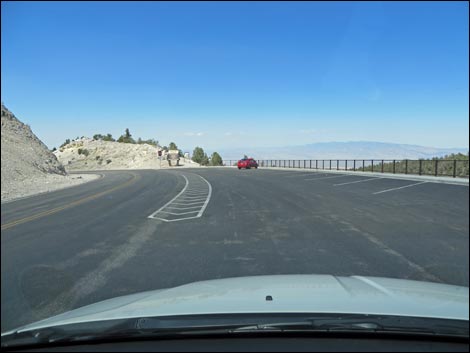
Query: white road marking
[
  {"x": 191, "y": 197},
  {"x": 302, "y": 174},
  {"x": 208, "y": 197},
  {"x": 331, "y": 177},
  {"x": 357, "y": 181},
  {"x": 401, "y": 187},
  {"x": 187, "y": 203},
  {"x": 178, "y": 214},
  {"x": 173, "y": 199},
  {"x": 183, "y": 208}
]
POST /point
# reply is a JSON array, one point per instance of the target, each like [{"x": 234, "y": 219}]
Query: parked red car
[{"x": 247, "y": 163}]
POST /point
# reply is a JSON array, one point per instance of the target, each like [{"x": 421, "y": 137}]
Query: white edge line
[
  {"x": 358, "y": 181},
  {"x": 174, "y": 198},
  {"x": 401, "y": 187},
  {"x": 208, "y": 197}
]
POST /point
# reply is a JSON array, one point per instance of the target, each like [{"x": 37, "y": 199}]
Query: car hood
[{"x": 290, "y": 294}]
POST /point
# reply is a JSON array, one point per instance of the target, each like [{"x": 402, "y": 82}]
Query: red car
[{"x": 247, "y": 163}]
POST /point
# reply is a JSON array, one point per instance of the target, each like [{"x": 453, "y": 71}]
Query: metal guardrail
[{"x": 437, "y": 167}]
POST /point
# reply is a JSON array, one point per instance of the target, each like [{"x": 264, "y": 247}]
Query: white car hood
[{"x": 290, "y": 294}]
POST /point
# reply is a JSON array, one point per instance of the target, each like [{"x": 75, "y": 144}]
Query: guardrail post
[
  {"x": 346, "y": 164},
  {"x": 330, "y": 164},
  {"x": 382, "y": 165},
  {"x": 393, "y": 166},
  {"x": 372, "y": 166},
  {"x": 316, "y": 163},
  {"x": 337, "y": 164},
  {"x": 435, "y": 167},
  {"x": 420, "y": 166},
  {"x": 455, "y": 168},
  {"x": 406, "y": 166},
  {"x": 363, "y": 165},
  {"x": 354, "y": 165}
]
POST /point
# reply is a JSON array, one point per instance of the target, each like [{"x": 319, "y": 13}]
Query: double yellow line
[{"x": 33, "y": 217}]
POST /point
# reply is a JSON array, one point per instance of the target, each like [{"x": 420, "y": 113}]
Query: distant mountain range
[{"x": 342, "y": 150}]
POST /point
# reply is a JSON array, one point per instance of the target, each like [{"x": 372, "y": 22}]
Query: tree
[
  {"x": 205, "y": 160},
  {"x": 98, "y": 137},
  {"x": 198, "y": 155},
  {"x": 126, "y": 138},
  {"x": 108, "y": 137},
  {"x": 216, "y": 159},
  {"x": 65, "y": 143},
  {"x": 172, "y": 146}
]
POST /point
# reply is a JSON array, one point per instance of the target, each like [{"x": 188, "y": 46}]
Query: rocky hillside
[
  {"x": 89, "y": 154},
  {"x": 24, "y": 156}
]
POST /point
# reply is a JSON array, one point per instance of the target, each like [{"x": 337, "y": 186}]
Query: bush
[
  {"x": 108, "y": 161},
  {"x": 198, "y": 155},
  {"x": 216, "y": 159},
  {"x": 83, "y": 151},
  {"x": 126, "y": 138},
  {"x": 108, "y": 137},
  {"x": 65, "y": 143}
]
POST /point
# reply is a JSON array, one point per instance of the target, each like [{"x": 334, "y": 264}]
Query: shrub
[
  {"x": 108, "y": 161},
  {"x": 216, "y": 159},
  {"x": 83, "y": 151}
]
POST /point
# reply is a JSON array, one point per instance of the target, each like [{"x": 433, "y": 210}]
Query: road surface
[{"x": 132, "y": 231}]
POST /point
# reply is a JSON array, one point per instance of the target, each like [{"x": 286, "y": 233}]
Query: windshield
[{"x": 123, "y": 125}]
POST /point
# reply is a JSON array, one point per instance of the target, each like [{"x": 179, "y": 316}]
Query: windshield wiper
[{"x": 206, "y": 325}]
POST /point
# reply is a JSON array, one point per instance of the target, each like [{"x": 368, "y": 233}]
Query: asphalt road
[{"x": 76, "y": 246}]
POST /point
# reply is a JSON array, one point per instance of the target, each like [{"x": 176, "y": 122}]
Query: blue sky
[{"x": 223, "y": 75}]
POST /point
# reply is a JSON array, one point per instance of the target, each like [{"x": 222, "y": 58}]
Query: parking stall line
[
  {"x": 401, "y": 187},
  {"x": 331, "y": 177},
  {"x": 358, "y": 181},
  {"x": 302, "y": 174}
]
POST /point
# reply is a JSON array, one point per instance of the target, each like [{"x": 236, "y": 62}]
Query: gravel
[
  {"x": 43, "y": 184},
  {"x": 28, "y": 167}
]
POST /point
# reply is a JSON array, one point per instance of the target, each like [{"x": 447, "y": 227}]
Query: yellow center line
[{"x": 72, "y": 204}]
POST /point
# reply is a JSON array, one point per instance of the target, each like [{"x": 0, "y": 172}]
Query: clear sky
[{"x": 224, "y": 74}]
